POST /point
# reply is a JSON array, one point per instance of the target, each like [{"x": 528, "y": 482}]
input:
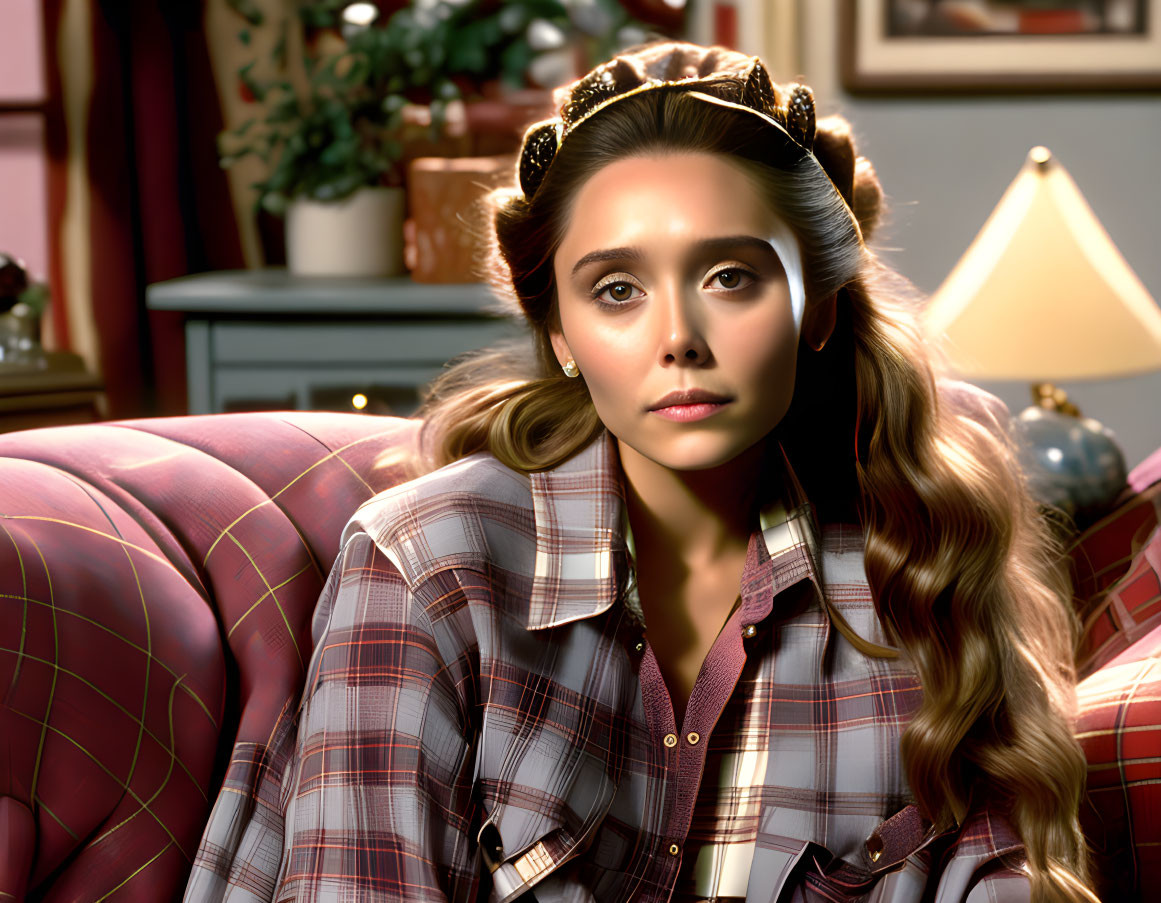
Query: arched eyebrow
[{"x": 705, "y": 245}]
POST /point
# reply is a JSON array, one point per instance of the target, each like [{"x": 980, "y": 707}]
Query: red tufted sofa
[{"x": 157, "y": 580}]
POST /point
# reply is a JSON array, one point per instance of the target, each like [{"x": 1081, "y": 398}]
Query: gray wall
[{"x": 945, "y": 161}]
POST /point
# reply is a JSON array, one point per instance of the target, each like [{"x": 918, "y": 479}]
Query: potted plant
[
  {"x": 331, "y": 136},
  {"x": 336, "y": 135},
  {"x": 22, "y": 301}
]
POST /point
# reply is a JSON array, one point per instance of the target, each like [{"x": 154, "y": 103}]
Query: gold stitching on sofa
[
  {"x": 320, "y": 461},
  {"x": 56, "y": 665},
  {"x": 128, "y": 714},
  {"x": 24, "y": 614},
  {"x": 39, "y": 802},
  {"x": 95, "y": 532},
  {"x": 101, "y": 765},
  {"x": 242, "y": 617},
  {"x": 160, "y": 787},
  {"x": 128, "y": 642},
  {"x": 278, "y": 605},
  {"x": 132, "y": 874}
]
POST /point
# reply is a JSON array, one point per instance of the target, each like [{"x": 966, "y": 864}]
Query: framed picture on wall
[{"x": 999, "y": 46}]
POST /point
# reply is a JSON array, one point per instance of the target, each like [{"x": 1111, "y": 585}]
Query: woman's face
[{"x": 675, "y": 277}]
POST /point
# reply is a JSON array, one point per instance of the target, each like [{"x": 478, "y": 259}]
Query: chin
[{"x": 691, "y": 452}]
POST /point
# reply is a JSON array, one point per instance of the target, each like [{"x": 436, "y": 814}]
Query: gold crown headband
[{"x": 791, "y": 125}]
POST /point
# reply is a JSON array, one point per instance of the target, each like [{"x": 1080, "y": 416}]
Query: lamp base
[
  {"x": 1072, "y": 463},
  {"x": 1053, "y": 398}
]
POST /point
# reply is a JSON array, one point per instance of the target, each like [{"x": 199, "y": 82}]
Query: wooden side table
[
  {"x": 62, "y": 393},
  {"x": 266, "y": 340}
]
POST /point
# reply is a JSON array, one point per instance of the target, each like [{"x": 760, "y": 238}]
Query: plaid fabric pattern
[
  {"x": 1116, "y": 565},
  {"x": 1119, "y": 728},
  {"x": 482, "y": 716},
  {"x": 1119, "y": 723},
  {"x": 157, "y": 583}
]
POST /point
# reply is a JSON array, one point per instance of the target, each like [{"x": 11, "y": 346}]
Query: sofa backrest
[{"x": 158, "y": 581}]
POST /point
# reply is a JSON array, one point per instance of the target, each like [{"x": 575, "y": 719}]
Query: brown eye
[
  {"x": 732, "y": 278},
  {"x": 614, "y": 295}
]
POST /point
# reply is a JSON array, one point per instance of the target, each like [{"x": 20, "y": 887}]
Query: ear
[
  {"x": 818, "y": 322},
  {"x": 559, "y": 345}
]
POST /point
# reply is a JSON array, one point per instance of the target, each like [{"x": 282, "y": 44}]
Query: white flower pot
[{"x": 361, "y": 235}]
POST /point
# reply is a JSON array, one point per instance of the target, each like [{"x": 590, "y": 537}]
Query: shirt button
[
  {"x": 692, "y": 737},
  {"x": 670, "y": 740},
  {"x": 749, "y": 630},
  {"x": 674, "y": 849}
]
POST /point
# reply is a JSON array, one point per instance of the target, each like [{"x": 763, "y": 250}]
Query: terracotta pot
[
  {"x": 444, "y": 222},
  {"x": 361, "y": 235}
]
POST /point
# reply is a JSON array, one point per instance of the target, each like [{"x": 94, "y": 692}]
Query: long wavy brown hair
[{"x": 965, "y": 574}]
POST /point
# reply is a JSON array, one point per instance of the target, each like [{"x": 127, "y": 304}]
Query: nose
[{"x": 682, "y": 331}]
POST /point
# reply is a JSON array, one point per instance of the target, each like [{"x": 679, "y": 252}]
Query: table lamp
[{"x": 1043, "y": 294}]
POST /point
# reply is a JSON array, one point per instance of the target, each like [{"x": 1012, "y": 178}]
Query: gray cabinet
[{"x": 262, "y": 339}]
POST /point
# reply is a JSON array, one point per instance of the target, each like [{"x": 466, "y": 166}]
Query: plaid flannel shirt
[{"x": 482, "y": 716}]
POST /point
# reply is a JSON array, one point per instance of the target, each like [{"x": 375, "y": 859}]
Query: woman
[{"x": 721, "y": 596}]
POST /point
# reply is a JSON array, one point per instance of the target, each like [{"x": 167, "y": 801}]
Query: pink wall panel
[
  {"x": 23, "y": 188},
  {"x": 21, "y": 51}
]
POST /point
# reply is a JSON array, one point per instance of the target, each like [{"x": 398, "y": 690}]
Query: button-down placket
[
  {"x": 781, "y": 553},
  {"x": 786, "y": 529},
  {"x": 682, "y": 753}
]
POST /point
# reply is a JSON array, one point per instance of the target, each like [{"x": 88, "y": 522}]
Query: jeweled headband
[{"x": 789, "y": 136}]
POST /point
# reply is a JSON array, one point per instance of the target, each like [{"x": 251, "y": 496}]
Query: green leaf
[
  {"x": 278, "y": 53},
  {"x": 228, "y": 160},
  {"x": 321, "y": 13},
  {"x": 468, "y": 51},
  {"x": 393, "y": 103},
  {"x": 358, "y": 72},
  {"x": 35, "y": 296},
  {"x": 274, "y": 203},
  {"x": 338, "y": 153},
  {"x": 257, "y": 88},
  {"x": 515, "y": 60},
  {"x": 284, "y": 112},
  {"x": 242, "y": 129},
  {"x": 512, "y": 18},
  {"x": 248, "y": 10}
]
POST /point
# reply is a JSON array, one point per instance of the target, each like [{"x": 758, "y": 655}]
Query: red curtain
[{"x": 159, "y": 205}]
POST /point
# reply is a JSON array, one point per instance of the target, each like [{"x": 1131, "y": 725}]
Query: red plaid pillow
[
  {"x": 1116, "y": 567},
  {"x": 1119, "y": 728}
]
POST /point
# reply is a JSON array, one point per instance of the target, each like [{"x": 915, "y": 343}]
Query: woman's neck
[{"x": 696, "y": 515}]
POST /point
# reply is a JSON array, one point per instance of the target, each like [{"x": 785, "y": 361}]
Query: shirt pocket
[
  {"x": 894, "y": 866},
  {"x": 544, "y": 814}
]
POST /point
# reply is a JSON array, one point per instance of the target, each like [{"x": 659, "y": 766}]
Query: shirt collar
[{"x": 584, "y": 544}]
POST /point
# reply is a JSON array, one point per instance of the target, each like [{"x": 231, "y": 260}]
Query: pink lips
[
  {"x": 687, "y": 405},
  {"x": 686, "y": 412}
]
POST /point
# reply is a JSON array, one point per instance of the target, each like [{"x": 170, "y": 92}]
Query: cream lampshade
[{"x": 1043, "y": 294}]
